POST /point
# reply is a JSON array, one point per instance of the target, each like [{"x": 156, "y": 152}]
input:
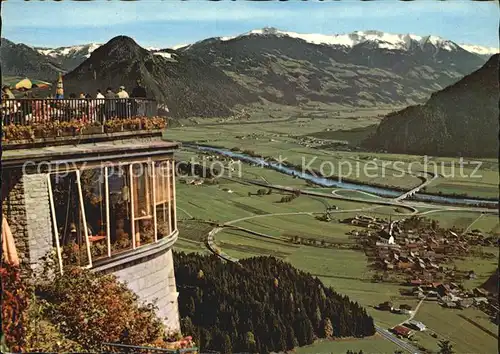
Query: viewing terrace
[{"x": 46, "y": 122}]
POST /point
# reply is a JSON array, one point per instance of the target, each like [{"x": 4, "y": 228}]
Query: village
[{"x": 416, "y": 253}]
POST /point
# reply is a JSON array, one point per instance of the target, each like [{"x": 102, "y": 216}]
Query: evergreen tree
[
  {"x": 327, "y": 328},
  {"x": 226, "y": 346},
  {"x": 250, "y": 342},
  {"x": 445, "y": 347},
  {"x": 188, "y": 328}
]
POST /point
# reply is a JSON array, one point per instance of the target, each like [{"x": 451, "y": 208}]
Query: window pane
[
  {"x": 141, "y": 189},
  {"x": 160, "y": 185},
  {"x": 161, "y": 177},
  {"x": 119, "y": 209},
  {"x": 172, "y": 196},
  {"x": 162, "y": 221},
  {"x": 69, "y": 219},
  {"x": 143, "y": 203},
  {"x": 94, "y": 199}
]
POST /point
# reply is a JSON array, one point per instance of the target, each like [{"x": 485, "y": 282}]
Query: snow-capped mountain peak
[
  {"x": 84, "y": 50},
  {"x": 480, "y": 50},
  {"x": 381, "y": 39}
]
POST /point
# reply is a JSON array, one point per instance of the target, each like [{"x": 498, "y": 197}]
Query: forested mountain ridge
[
  {"x": 265, "y": 305},
  {"x": 461, "y": 119}
]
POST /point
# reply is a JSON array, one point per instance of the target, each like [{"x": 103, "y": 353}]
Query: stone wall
[
  {"x": 38, "y": 217},
  {"x": 13, "y": 208},
  {"x": 152, "y": 279},
  {"x": 25, "y": 204}
]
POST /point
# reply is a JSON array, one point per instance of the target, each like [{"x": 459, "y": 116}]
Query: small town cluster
[{"x": 418, "y": 254}]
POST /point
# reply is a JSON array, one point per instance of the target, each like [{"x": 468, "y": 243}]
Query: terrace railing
[{"x": 29, "y": 111}]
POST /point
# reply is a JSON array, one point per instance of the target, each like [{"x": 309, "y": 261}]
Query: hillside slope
[
  {"x": 263, "y": 306},
  {"x": 460, "y": 120},
  {"x": 188, "y": 85},
  {"x": 22, "y": 60}
]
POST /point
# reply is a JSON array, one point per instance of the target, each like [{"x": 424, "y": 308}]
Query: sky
[{"x": 157, "y": 23}]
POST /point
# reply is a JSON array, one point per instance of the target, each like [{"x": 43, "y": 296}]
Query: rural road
[
  {"x": 414, "y": 313},
  {"x": 399, "y": 342},
  {"x": 381, "y": 201}
]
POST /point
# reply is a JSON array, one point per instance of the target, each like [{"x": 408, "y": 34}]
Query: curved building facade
[{"x": 109, "y": 207}]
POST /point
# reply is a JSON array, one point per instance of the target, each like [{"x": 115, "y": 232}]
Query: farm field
[
  {"x": 375, "y": 344},
  {"x": 464, "y": 220},
  {"x": 449, "y": 324}
]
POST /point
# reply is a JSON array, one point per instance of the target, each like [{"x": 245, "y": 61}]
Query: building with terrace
[{"x": 97, "y": 188}]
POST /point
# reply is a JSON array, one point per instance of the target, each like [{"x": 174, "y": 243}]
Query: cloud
[{"x": 71, "y": 14}]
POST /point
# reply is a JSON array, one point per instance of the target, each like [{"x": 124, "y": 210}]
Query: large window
[
  {"x": 120, "y": 210},
  {"x": 71, "y": 228},
  {"x": 162, "y": 199},
  {"x": 143, "y": 202},
  {"x": 102, "y": 211}
]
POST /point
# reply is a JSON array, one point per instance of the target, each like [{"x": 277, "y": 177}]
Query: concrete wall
[{"x": 152, "y": 279}]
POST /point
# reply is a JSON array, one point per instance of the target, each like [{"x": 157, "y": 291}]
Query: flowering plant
[{"x": 47, "y": 129}]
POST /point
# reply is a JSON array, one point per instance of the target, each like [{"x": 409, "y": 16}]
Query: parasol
[{"x": 27, "y": 84}]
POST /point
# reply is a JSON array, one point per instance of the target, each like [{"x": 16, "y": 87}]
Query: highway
[{"x": 417, "y": 188}]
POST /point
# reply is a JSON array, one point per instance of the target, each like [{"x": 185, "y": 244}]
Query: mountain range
[
  {"x": 212, "y": 76},
  {"x": 174, "y": 78},
  {"x": 461, "y": 119}
]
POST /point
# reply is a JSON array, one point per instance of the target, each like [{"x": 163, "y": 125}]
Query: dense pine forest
[{"x": 262, "y": 306}]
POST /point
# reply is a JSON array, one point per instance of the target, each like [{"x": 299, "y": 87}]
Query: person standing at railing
[
  {"x": 83, "y": 107},
  {"x": 40, "y": 110},
  {"x": 59, "y": 88},
  {"x": 9, "y": 108},
  {"x": 91, "y": 108},
  {"x": 100, "y": 105},
  {"x": 110, "y": 104},
  {"x": 8, "y": 93},
  {"x": 123, "y": 104},
  {"x": 139, "y": 93}
]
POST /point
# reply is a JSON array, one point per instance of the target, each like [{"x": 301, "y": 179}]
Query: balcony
[{"x": 42, "y": 122}]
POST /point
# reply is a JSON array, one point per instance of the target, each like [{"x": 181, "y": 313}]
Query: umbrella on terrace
[{"x": 27, "y": 84}]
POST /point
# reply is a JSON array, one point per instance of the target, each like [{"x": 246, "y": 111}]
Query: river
[{"x": 327, "y": 182}]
